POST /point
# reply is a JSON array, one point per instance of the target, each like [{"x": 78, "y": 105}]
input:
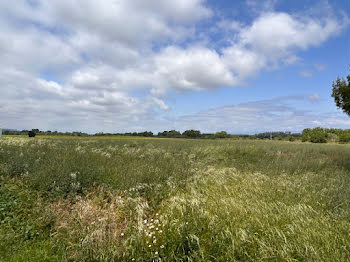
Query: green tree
[
  {"x": 31, "y": 133},
  {"x": 192, "y": 133},
  {"x": 222, "y": 134},
  {"x": 341, "y": 94}
]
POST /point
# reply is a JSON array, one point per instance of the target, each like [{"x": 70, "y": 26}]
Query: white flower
[
  {"x": 145, "y": 221},
  {"x": 122, "y": 234},
  {"x": 156, "y": 253},
  {"x": 149, "y": 245},
  {"x": 162, "y": 246}
]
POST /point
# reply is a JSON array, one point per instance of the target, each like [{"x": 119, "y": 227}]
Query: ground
[{"x": 127, "y": 199}]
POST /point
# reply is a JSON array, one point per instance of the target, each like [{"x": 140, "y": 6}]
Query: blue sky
[{"x": 134, "y": 65}]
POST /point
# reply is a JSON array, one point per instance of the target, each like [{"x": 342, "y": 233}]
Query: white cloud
[
  {"x": 191, "y": 69},
  {"x": 81, "y": 62}
]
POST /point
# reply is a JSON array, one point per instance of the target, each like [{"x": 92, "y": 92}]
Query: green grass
[{"x": 93, "y": 199}]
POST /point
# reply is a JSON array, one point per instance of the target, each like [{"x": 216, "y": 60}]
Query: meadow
[{"x": 154, "y": 199}]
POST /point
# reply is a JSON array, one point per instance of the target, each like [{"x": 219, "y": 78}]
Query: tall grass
[{"x": 123, "y": 199}]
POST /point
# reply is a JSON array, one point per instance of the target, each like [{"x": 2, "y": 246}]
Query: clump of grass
[
  {"x": 225, "y": 215},
  {"x": 99, "y": 226}
]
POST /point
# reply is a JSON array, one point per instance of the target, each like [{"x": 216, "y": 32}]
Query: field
[{"x": 126, "y": 199}]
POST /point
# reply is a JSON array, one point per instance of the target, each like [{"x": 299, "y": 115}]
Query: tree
[
  {"x": 31, "y": 133},
  {"x": 222, "y": 134},
  {"x": 341, "y": 94},
  {"x": 191, "y": 133},
  {"x": 171, "y": 133}
]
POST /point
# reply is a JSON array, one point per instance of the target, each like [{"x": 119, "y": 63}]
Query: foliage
[
  {"x": 31, "y": 133},
  {"x": 191, "y": 133},
  {"x": 323, "y": 135},
  {"x": 344, "y": 137},
  {"x": 171, "y": 133},
  {"x": 222, "y": 134},
  {"x": 341, "y": 94}
]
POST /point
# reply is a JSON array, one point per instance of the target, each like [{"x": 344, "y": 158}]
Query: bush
[
  {"x": 291, "y": 138},
  {"x": 344, "y": 138},
  {"x": 31, "y": 134},
  {"x": 222, "y": 134},
  {"x": 316, "y": 135}
]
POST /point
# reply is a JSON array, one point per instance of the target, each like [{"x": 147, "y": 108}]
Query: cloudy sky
[{"x": 135, "y": 65}]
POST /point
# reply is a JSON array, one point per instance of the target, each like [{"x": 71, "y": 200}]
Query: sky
[{"x": 244, "y": 66}]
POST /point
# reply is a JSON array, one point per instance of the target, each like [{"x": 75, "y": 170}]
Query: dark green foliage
[
  {"x": 31, "y": 133},
  {"x": 222, "y": 134},
  {"x": 341, "y": 94},
  {"x": 170, "y": 134},
  {"x": 191, "y": 133}
]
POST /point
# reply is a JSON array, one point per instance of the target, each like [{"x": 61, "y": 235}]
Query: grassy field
[{"x": 123, "y": 199}]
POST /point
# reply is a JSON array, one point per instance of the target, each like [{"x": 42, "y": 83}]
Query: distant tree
[
  {"x": 171, "y": 133},
  {"x": 221, "y": 134},
  {"x": 305, "y": 135},
  {"x": 341, "y": 94},
  {"x": 31, "y": 133},
  {"x": 315, "y": 135},
  {"x": 192, "y": 133}
]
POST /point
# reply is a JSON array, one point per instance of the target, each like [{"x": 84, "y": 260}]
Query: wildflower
[
  {"x": 149, "y": 245},
  {"x": 122, "y": 234},
  {"x": 156, "y": 253},
  {"x": 73, "y": 175},
  {"x": 162, "y": 246},
  {"x": 133, "y": 259},
  {"x": 145, "y": 221}
]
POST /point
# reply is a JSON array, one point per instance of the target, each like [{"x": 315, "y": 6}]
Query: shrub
[
  {"x": 344, "y": 138},
  {"x": 31, "y": 134},
  {"x": 291, "y": 138}
]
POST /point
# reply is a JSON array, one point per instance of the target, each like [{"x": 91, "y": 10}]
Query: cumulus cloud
[{"x": 81, "y": 63}]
